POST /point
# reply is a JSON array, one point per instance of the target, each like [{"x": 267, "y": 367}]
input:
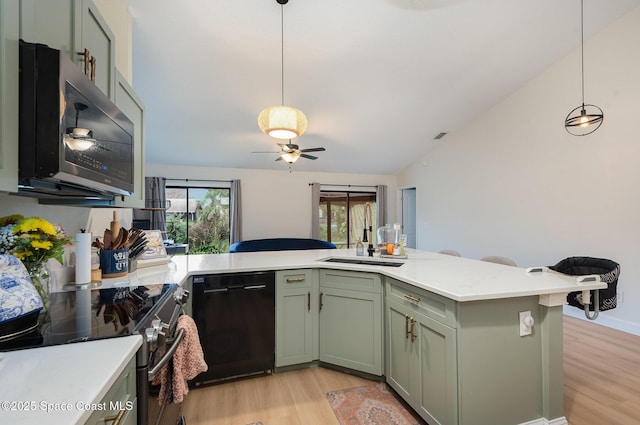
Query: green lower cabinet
[
  {"x": 351, "y": 324},
  {"x": 421, "y": 363},
  {"x": 296, "y": 317},
  {"x": 120, "y": 404}
]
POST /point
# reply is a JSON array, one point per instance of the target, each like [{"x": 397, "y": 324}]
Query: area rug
[
  {"x": 369, "y": 405},
  {"x": 255, "y": 423}
]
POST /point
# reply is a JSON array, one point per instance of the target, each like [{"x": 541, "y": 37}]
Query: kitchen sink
[{"x": 367, "y": 261}]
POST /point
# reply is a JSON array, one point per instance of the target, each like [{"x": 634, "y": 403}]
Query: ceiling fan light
[
  {"x": 78, "y": 145},
  {"x": 290, "y": 157},
  {"x": 282, "y": 122}
]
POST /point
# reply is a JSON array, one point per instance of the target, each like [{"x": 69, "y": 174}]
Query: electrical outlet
[{"x": 526, "y": 323}]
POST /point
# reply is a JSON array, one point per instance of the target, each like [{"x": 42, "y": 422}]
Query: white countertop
[
  {"x": 38, "y": 383},
  {"x": 460, "y": 279},
  {"x": 82, "y": 373}
]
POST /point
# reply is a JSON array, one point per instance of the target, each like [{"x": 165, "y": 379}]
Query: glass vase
[{"x": 40, "y": 278}]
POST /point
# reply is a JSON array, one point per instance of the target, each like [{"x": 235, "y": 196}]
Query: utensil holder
[{"x": 114, "y": 262}]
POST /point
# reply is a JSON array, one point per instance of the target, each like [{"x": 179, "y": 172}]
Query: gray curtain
[
  {"x": 155, "y": 204},
  {"x": 381, "y": 206},
  {"x": 235, "y": 213},
  {"x": 315, "y": 210}
]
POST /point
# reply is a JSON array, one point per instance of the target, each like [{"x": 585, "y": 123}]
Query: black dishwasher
[{"x": 235, "y": 315}]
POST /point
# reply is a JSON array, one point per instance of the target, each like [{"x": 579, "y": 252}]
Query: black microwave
[{"x": 74, "y": 142}]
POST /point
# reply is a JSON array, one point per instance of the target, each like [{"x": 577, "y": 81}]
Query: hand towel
[{"x": 188, "y": 362}]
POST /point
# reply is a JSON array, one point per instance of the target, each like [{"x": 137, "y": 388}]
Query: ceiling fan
[{"x": 290, "y": 152}]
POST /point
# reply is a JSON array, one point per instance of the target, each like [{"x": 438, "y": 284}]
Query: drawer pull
[
  {"x": 116, "y": 419},
  {"x": 412, "y": 298},
  {"x": 308, "y": 301},
  {"x": 295, "y": 279}
]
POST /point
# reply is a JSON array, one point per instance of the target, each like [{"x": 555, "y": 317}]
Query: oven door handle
[{"x": 167, "y": 356}]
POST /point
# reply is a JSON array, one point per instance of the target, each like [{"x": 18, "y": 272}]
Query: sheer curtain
[
  {"x": 235, "y": 213},
  {"x": 381, "y": 205},
  {"x": 315, "y": 210}
]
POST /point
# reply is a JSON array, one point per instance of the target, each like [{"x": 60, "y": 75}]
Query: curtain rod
[
  {"x": 199, "y": 180},
  {"x": 346, "y": 185}
]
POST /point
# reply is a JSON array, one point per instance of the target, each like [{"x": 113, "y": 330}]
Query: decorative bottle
[{"x": 359, "y": 248}]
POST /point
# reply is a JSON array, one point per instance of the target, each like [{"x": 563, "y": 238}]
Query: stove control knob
[
  {"x": 181, "y": 295},
  {"x": 151, "y": 335}
]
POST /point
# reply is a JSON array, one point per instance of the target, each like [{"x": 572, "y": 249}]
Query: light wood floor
[{"x": 601, "y": 386}]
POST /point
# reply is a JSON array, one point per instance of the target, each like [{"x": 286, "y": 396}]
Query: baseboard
[{"x": 604, "y": 320}]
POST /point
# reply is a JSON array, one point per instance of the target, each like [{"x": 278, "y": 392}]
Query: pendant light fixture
[
  {"x": 585, "y": 119},
  {"x": 280, "y": 121}
]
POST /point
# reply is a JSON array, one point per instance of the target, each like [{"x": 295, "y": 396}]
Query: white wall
[
  {"x": 515, "y": 183},
  {"x": 276, "y": 203}
]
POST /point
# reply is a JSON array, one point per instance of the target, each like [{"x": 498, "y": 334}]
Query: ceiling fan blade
[
  {"x": 304, "y": 155},
  {"x": 265, "y": 152},
  {"x": 313, "y": 150},
  {"x": 288, "y": 147},
  {"x": 279, "y": 158}
]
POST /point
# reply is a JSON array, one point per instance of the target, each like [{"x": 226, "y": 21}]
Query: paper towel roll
[{"x": 83, "y": 258}]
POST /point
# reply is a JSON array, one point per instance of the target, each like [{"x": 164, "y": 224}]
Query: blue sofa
[{"x": 280, "y": 244}]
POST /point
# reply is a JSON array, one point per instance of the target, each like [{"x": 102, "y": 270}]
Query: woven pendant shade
[{"x": 282, "y": 122}]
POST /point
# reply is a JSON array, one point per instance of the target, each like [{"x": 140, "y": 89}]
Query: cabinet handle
[
  {"x": 406, "y": 326},
  {"x": 321, "y": 294},
  {"x": 413, "y": 326},
  {"x": 85, "y": 53},
  {"x": 295, "y": 279},
  {"x": 412, "y": 298},
  {"x": 93, "y": 68},
  {"x": 308, "y": 301},
  {"x": 116, "y": 419}
]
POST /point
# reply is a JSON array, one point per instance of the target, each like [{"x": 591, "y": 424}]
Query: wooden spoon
[
  {"x": 121, "y": 243},
  {"x": 107, "y": 239}
]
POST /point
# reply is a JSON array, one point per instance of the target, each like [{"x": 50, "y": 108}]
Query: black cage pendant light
[
  {"x": 281, "y": 121},
  {"x": 585, "y": 119}
]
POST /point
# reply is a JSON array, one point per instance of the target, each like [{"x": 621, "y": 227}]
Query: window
[
  {"x": 342, "y": 216},
  {"x": 199, "y": 216}
]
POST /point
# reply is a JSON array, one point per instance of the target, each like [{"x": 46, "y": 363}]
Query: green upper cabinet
[
  {"x": 128, "y": 102},
  {"x": 79, "y": 27},
  {"x": 9, "y": 12},
  {"x": 351, "y": 320}
]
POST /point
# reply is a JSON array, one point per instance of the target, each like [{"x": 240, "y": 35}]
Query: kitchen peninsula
[
  {"x": 450, "y": 331},
  {"x": 447, "y": 337}
]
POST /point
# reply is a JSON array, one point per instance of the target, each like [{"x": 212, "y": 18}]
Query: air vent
[{"x": 439, "y": 136}]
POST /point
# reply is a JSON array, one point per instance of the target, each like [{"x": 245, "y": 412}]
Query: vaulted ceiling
[{"x": 377, "y": 79}]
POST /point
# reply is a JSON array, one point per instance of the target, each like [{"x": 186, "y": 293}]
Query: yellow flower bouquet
[{"x": 34, "y": 241}]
